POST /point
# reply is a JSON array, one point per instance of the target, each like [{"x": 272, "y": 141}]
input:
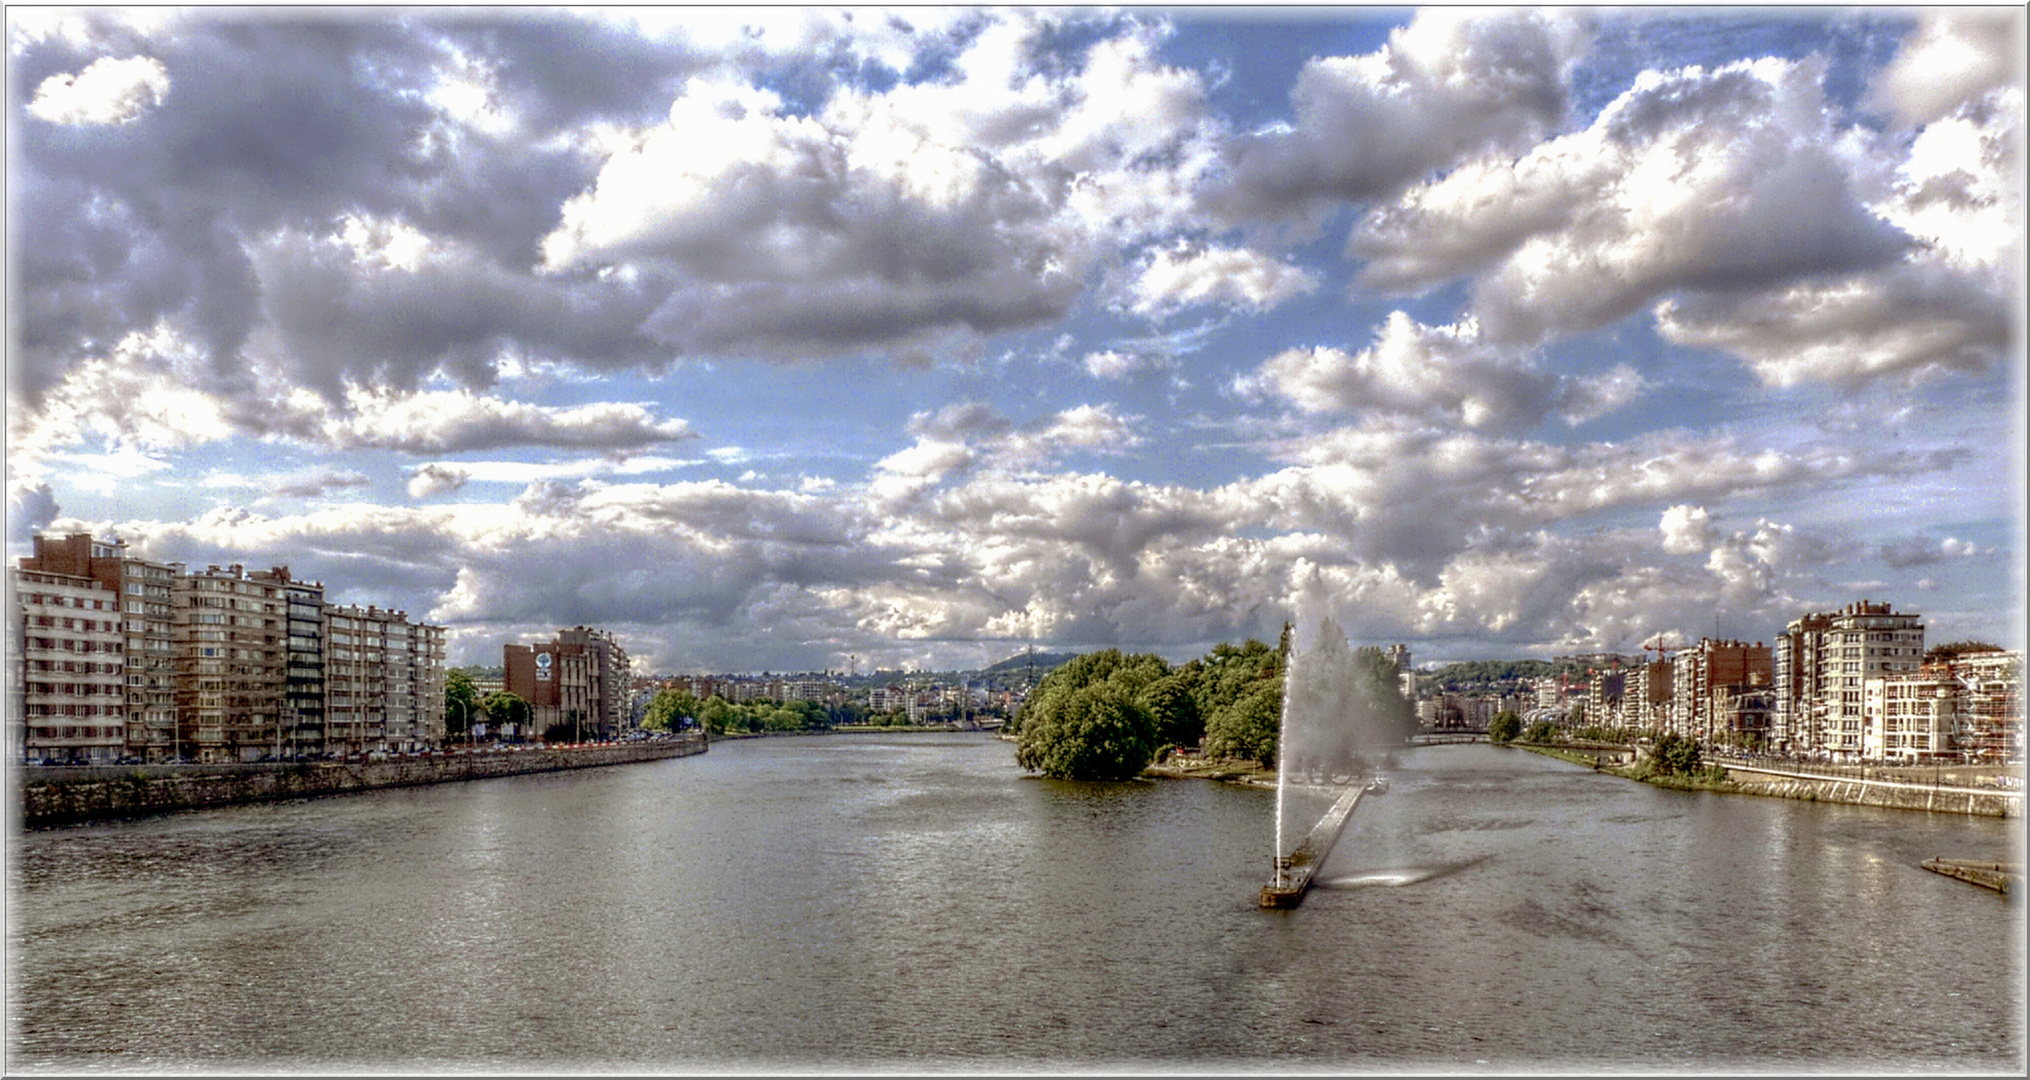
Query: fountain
[{"x": 1342, "y": 710}]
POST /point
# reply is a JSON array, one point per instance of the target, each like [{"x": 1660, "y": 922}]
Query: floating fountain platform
[{"x": 1293, "y": 872}]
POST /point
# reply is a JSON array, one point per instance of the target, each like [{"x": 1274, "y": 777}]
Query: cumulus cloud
[
  {"x": 1171, "y": 279},
  {"x": 1437, "y": 372},
  {"x": 108, "y": 91},
  {"x": 1413, "y": 497},
  {"x": 953, "y": 440},
  {"x": 1686, "y": 529},
  {"x": 1721, "y": 181},
  {"x": 1956, "y": 55},
  {"x": 139, "y": 399},
  {"x": 909, "y": 222},
  {"x": 436, "y": 478},
  {"x": 1452, "y": 85},
  {"x": 1945, "y": 307}
]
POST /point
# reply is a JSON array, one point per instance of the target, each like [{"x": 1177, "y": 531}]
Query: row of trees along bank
[{"x": 1107, "y": 715}]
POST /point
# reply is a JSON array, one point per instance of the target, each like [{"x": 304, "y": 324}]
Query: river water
[{"x": 915, "y": 902}]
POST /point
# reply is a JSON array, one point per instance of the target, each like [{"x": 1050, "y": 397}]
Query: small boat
[{"x": 1378, "y": 786}]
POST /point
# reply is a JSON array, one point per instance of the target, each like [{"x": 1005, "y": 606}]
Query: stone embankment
[
  {"x": 52, "y": 796},
  {"x": 1902, "y": 795}
]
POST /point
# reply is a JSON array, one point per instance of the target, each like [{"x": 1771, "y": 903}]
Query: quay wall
[
  {"x": 1860, "y": 792},
  {"x": 119, "y": 792}
]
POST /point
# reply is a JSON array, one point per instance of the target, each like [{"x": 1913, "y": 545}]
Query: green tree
[
  {"x": 1542, "y": 731},
  {"x": 717, "y": 715},
  {"x": 1674, "y": 755},
  {"x": 503, "y": 708},
  {"x": 1249, "y": 727},
  {"x": 667, "y": 708},
  {"x": 1092, "y": 732},
  {"x": 461, "y": 704},
  {"x": 1505, "y": 726},
  {"x": 1169, "y": 700}
]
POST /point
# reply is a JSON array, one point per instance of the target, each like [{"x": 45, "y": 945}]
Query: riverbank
[
  {"x": 1180, "y": 767},
  {"x": 96, "y": 794},
  {"x": 1900, "y": 789}
]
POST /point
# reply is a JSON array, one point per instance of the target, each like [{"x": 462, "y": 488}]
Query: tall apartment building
[
  {"x": 1646, "y": 697},
  {"x": 231, "y": 664},
  {"x": 73, "y": 701},
  {"x": 609, "y": 678},
  {"x": 303, "y": 689},
  {"x": 1704, "y": 677},
  {"x": 383, "y": 681},
  {"x": 415, "y": 654},
  {"x": 1819, "y": 668},
  {"x": 148, "y": 601},
  {"x": 1605, "y": 691}
]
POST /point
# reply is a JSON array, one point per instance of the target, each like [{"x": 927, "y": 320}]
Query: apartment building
[
  {"x": 1909, "y": 715},
  {"x": 230, "y": 664},
  {"x": 1646, "y": 697},
  {"x": 1821, "y": 664},
  {"x": 232, "y": 667},
  {"x": 1704, "y": 675},
  {"x": 609, "y": 681},
  {"x": 383, "y": 680},
  {"x": 73, "y": 700},
  {"x": 303, "y": 691},
  {"x": 1605, "y": 691},
  {"x": 148, "y": 601}
]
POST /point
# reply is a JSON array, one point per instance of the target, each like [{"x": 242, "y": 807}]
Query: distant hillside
[{"x": 1044, "y": 661}]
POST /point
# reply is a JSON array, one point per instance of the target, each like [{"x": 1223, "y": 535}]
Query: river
[{"x": 915, "y": 902}]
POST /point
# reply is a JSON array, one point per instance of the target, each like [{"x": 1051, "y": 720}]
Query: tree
[
  {"x": 668, "y": 708},
  {"x": 1542, "y": 731},
  {"x": 1093, "y": 732},
  {"x": 1089, "y": 719},
  {"x": 1505, "y": 726},
  {"x": 1169, "y": 700},
  {"x": 1249, "y": 727},
  {"x": 461, "y": 704},
  {"x": 717, "y": 715},
  {"x": 503, "y": 708},
  {"x": 1952, "y": 650},
  {"x": 1675, "y": 755}
]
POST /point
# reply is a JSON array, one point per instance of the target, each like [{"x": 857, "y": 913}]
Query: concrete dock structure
[{"x": 1294, "y": 871}]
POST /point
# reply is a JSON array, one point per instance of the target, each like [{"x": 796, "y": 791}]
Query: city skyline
[{"x": 768, "y": 338}]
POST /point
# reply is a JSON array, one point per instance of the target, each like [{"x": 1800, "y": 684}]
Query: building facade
[
  {"x": 73, "y": 701},
  {"x": 148, "y": 603},
  {"x": 609, "y": 681},
  {"x": 1703, "y": 674}
]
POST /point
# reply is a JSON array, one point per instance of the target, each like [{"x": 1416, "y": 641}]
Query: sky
[{"x": 794, "y": 339}]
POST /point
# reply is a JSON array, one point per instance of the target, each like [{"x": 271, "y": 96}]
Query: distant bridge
[{"x": 1441, "y": 738}]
